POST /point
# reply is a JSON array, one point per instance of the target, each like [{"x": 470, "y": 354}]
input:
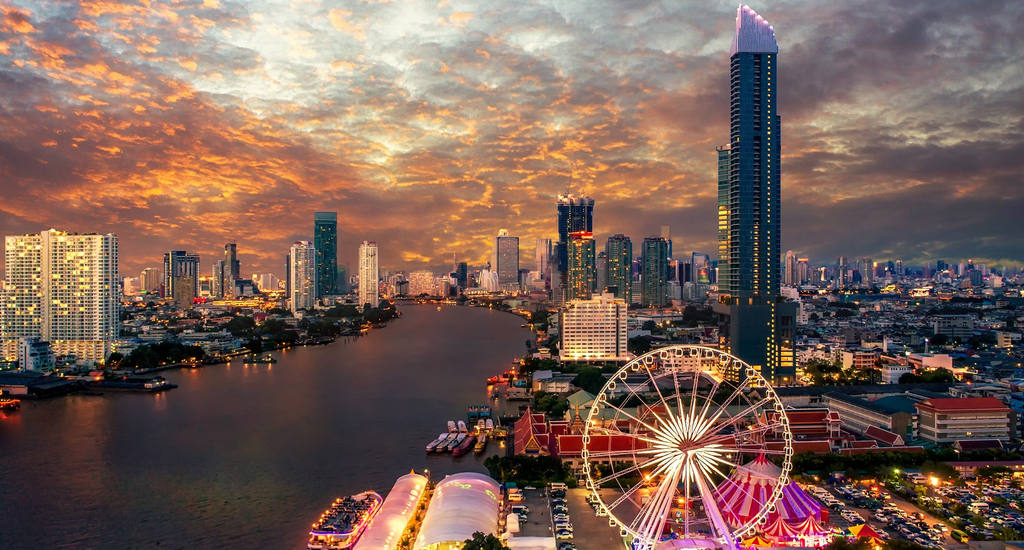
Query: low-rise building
[
  {"x": 946, "y": 420},
  {"x": 35, "y": 355},
  {"x": 894, "y": 414}
]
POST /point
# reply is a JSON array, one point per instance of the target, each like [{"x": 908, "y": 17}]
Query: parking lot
[
  {"x": 538, "y": 520},
  {"x": 592, "y": 532}
]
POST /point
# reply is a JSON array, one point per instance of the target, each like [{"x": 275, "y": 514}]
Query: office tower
[
  {"x": 421, "y": 282},
  {"x": 866, "y": 268},
  {"x": 462, "y": 275},
  {"x": 700, "y": 264},
  {"x": 601, "y": 284},
  {"x": 369, "y": 274},
  {"x": 149, "y": 280},
  {"x": 803, "y": 271},
  {"x": 666, "y": 233},
  {"x": 575, "y": 214},
  {"x": 760, "y": 327},
  {"x": 325, "y": 242},
  {"x": 181, "y": 277},
  {"x": 266, "y": 282},
  {"x": 288, "y": 275},
  {"x": 593, "y": 330},
  {"x": 506, "y": 260},
  {"x": 341, "y": 280},
  {"x": 654, "y": 262},
  {"x": 843, "y": 276},
  {"x": 582, "y": 274},
  {"x": 541, "y": 255},
  {"x": 790, "y": 277},
  {"x": 217, "y": 278},
  {"x": 620, "y": 267},
  {"x": 302, "y": 273},
  {"x": 61, "y": 288},
  {"x": 232, "y": 269}
]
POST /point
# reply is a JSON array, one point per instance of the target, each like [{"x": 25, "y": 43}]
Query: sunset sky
[{"x": 430, "y": 125}]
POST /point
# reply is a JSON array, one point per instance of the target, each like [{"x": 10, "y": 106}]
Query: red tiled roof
[
  {"x": 963, "y": 404},
  {"x": 864, "y": 444},
  {"x": 900, "y": 449},
  {"x": 817, "y": 447},
  {"x": 572, "y": 445},
  {"x": 884, "y": 436},
  {"x": 978, "y": 444}
]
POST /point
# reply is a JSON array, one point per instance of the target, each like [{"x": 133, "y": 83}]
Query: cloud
[{"x": 430, "y": 125}]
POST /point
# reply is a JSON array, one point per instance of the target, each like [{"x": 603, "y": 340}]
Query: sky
[{"x": 430, "y": 125}]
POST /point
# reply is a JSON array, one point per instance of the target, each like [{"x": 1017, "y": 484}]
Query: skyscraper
[
  {"x": 760, "y": 328},
  {"x": 218, "y": 278},
  {"x": 602, "y": 272},
  {"x": 666, "y": 233},
  {"x": 232, "y": 269},
  {"x": 789, "y": 277},
  {"x": 181, "y": 277},
  {"x": 620, "y": 267},
  {"x": 62, "y": 288},
  {"x": 541, "y": 255},
  {"x": 582, "y": 275},
  {"x": 506, "y": 260},
  {"x": 369, "y": 274},
  {"x": 575, "y": 214},
  {"x": 302, "y": 274},
  {"x": 462, "y": 275},
  {"x": 149, "y": 280},
  {"x": 325, "y": 242},
  {"x": 654, "y": 266}
]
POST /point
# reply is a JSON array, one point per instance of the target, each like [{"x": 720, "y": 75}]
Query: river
[{"x": 248, "y": 456}]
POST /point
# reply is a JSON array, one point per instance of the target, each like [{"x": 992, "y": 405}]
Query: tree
[
  {"x": 551, "y": 404},
  {"x": 481, "y": 541},
  {"x": 590, "y": 379},
  {"x": 241, "y": 326},
  {"x": 938, "y": 340}
]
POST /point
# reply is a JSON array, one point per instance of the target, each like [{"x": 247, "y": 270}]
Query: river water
[{"x": 248, "y": 456}]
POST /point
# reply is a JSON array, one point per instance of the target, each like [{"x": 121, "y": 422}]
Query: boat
[
  {"x": 480, "y": 425},
  {"x": 488, "y": 424},
  {"x": 259, "y": 360},
  {"x": 8, "y": 403},
  {"x": 453, "y": 433},
  {"x": 462, "y": 427},
  {"x": 433, "y": 444},
  {"x": 459, "y": 438},
  {"x": 481, "y": 443},
  {"x": 341, "y": 525},
  {"x": 465, "y": 446}
]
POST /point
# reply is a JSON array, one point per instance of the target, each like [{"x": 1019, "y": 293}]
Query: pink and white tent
[
  {"x": 744, "y": 493},
  {"x": 811, "y": 528},
  {"x": 779, "y": 530}
]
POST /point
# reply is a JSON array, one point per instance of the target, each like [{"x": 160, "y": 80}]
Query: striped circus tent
[
  {"x": 780, "y": 530},
  {"x": 810, "y": 527},
  {"x": 743, "y": 494}
]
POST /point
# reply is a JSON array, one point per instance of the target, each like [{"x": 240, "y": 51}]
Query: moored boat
[
  {"x": 465, "y": 446},
  {"x": 481, "y": 443},
  {"x": 459, "y": 438},
  {"x": 433, "y": 444},
  {"x": 8, "y": 403},
  {"x": 341, "y": 525}
]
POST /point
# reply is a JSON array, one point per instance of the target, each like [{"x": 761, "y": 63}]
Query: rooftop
[{"x": 753, "y": 33}]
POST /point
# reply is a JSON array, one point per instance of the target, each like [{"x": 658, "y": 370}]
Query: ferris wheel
[{"x": 666, "y": 437}]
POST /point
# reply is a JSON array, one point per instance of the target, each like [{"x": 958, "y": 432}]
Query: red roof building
[
  {"x": 884, "y": 437},
  {"x": 946, "y": 420}
]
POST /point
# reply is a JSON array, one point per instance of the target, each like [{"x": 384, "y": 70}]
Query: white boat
[
  {"x": 442, "y": 447},
  {"x": 458, "y": 441},
  {"x": 489, "y": 424},
  {"x": 451, "y": 426},
  {"x": 433, "y": 444},
  {"x": 480, "y": 425},
  {"x": 462, "y": 427}
]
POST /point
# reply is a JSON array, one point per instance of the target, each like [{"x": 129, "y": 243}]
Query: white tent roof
[
  {"x": 387, "y": 526},
  {"x": 462, "y": 505},
  {"x": 531, "y": 543}
]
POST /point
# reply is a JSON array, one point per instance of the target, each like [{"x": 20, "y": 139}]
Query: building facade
[
  {"x": 506, "y": 260},
  {"x": 369, "y": 275},
  {"x": 593, "y": 330},
  {"x": 61, "y": 288},
  {"x": 620, "y": 267},
  {"x": 302, "y": 273},
  {"x": 325, "y": 243},
  {"x": 575, "y": 214},
  {"x": 181, "y": 277},
  {"x": 582, "y": 266},
  {"x": 945, "y": 420},
  {"x": 654, "y": 267}
]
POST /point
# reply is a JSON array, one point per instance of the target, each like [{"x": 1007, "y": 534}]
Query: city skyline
[{"x": 171, "y": 144}]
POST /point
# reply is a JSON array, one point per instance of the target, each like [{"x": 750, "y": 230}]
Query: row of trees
[
  {"x": 535, "y": 470},
  {"x": 154, "y": 355}
]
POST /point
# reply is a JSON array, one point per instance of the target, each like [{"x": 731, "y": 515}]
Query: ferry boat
[
  {"x": 465, "y": 446},
  {"x": 454, "y": 444},
  {"x": 341, "y": 525},
  {"x": 453, "y": 432},
  {"x": 481, "y": 443},
  {"x": 433, "y": 444},
  {"x": 259, "y": 360}
]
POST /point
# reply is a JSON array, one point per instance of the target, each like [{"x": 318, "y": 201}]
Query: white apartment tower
[
  {"x": 302, "y": 274},
  {"x": 369, "y": 274},
  {"x": 61, "y": 288},
  {"x": 594, "y": 329}
]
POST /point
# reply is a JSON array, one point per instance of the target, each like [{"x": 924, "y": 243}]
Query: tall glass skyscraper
[
  {"x": 506, "y": 260},
  {"x": 575, "y": 214},
  {"x": 325, "y": 242},
  {"x": 620, "y": 267},
  {"x": 582, "y": 274},
  {"x": 761, "y": 328},
  {"x": 654, "y": 266}
]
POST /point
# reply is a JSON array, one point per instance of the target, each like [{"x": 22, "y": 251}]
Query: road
[{"x": 591, "y": 532}]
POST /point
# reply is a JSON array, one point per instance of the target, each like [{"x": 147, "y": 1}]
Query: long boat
[
  {"x": 459, "y": 438},
  {"x": 465, "y": 446},
  {"x": 341, "y": 525},
  {"x": 9, "y": 403},
  {"x": 433, "y": 444},
  {"x": 481, "y": 443}
]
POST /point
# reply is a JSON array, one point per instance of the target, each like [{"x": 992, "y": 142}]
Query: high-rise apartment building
[
  {"x": 232, "y": 270},
  {"x": 462, "y": 275},
  {"x": 654, "y": 266},
  {"x": 541, "y": 256},
  {"x": 761, "y": 328},
  {"x": 61, "y": 288},
  {"x": 217, "y": 279},
  {"x": 601, "y": 285},
  {"x": 181, "y": 277},
  {"x": 789, "y": 277},
  {"x": 302, "y": 274},
  {"x": 369, "y": 274},
  {"x": 582, "y": 276},
  {"x": 149, "y": 280},
  {"x": 575, "y": 214},
  {"x": 325, "y": 242},
  {"x": 506, "y": 260},
  {"x": 620, "y": 267},
  {"x": 593, "y": 330}
]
